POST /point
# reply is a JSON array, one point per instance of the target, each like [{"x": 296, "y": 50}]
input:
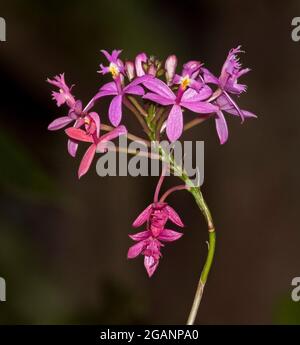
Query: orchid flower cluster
[{"x": 159, "y": 96}]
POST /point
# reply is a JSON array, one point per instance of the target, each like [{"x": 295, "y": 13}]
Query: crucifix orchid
[{"x": 159, "y": 97}]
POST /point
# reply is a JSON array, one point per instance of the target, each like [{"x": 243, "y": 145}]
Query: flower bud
[
  {"x": 170, "y": 67},
  {"x": 139, "y": 60},
  {"x": 130, "y": 70}
]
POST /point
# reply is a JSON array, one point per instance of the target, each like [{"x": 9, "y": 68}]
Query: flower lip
[
  {"x": 114, "y": 69},
  {"x": 185, "y": 82}
]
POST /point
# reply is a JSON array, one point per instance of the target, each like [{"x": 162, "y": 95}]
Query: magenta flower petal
[
  {"x": 139, "y": 80},
  {"x": 175, "y": 123},
  {"x": 72, "y": 147},
  {"x": 134, "y": 90},
  {"x": 168, "y": 235},
  {"x": 245, "y": 113},
  {"x": 59, "y": 123},
  {"x": 221, "y": 127},
  {"x": 191, "y": 95},
  {"x": 150, "y": 264},
  {"x": 78, "y": 134},
  {"x": 87, "y": 160},
  {"x": 115, "y": 110},
  {"x": 64, "y": 95},
  {"x": 106, "y": 54},
  {"x": 157, "y": 86},
  {"x": 158, "y": 99},
  {"x": 95, "y": 117},
  {"x": 142, "y": 218},
  {"x": 140, "y": 236},
  {"x": 209, "y": 77},
  {"x": 111, "y": 86},
  {"x": 121, "y": 130},
  {"x": 135, "y": 250},
  {"x": 200, "y": 107},
  {"x": 114, "y": 55},
  {"x": 174, "y": 217}
]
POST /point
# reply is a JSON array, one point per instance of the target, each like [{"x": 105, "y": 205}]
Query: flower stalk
[
  {"x": 210, "y": 255},
  {"x": 160, "y": 105}
]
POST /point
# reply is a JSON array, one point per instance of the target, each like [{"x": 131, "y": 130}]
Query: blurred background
[{"x": 63, "y": 242}]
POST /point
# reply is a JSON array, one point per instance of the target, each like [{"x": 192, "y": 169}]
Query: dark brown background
[{"x": 63, "y": 242}]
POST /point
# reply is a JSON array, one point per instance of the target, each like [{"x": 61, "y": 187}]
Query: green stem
[
  {"x": 200, "y": 201},
  {"x": 153, "y": 134},
  {"x": 137, "y": 115},
  {"x": 210, "y": 256},
  {"x": 141, "y": 110}
]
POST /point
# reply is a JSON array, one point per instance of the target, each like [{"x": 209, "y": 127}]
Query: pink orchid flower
[
  {"x": 149, "y": 241},
  {"x": 115, "y": 67},
  {"x": 189, "y": 76},
  {"x": 64, "y": 95},
  {"x": 228, "y": 84},
  {"x": 76, "y": 114},
  {"x": 189, "y": 99},
  {"x": 116, "y": 89},
  {"x": 228, "y": 79},
  {"x": 98, "y": 142}
]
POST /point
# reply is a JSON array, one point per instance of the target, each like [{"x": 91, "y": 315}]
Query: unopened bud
[
  {"x": 139, "y": 60},
  {"x": 170, "y": 67},
  {"x": 130, "y": 70}
]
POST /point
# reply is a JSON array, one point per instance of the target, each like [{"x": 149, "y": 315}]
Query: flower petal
[
  {"x": 209, "y": 77},
  {"x": 191, "y": 95},
  {"x": 72, "y": 147},
  {"x": 142, "y": 218},
  {"x": 168, "y": 235},
  {"x": 96, "y": 119},
  {"x": 135, "y": 250},
  {"x": 245, "y": 113},
  {"x": 140, "y": 235},
  {"x": 175, "y": 123},
  {"x": 115, "y": 110},
  {"x": 174, "y": 216},
  {"x": 158, "y": 99},
  {"x": 111, "y": 86},
  {"x": 200, "y": 107},
  {"x": 106, "y": 54},
  {"x": 150, "y": 264},
  {"x": 78, "y": 134},
  {"x": 159, "y": 87},
  {"x": 139, "y": 80},
  {"x": 135, "y": 90},
  {"x": 59, "y": 123},
  {"x": 87, "y": 160},
  {"x": 221, "y": 127},
  {"x": 121, "y": 130}
]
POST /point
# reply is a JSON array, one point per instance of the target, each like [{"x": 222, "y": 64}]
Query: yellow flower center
[
  {"x": 185, "y": 82},
  {"x": 114, "y": 69}
]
